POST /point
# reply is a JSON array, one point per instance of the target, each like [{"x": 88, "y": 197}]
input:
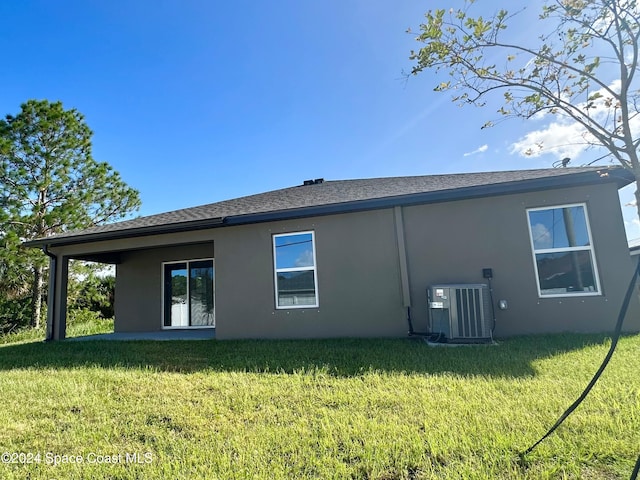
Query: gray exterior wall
[
  {"x": 138, "y": 307},
  {"x": 358, "y": 280},
  {"x": 358, "y": 267},
  {"x": 451, "y": 243}
]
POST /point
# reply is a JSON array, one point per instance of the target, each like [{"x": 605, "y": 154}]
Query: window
[
  {"x": 188, "y": 294},
  {"x": 563, "y": 251},
  {"x": 294, "y": 257}
]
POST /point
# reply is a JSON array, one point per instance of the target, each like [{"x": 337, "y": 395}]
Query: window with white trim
[
  {"x": 296, "y": 281},
  {"x": 563, "y": 251}
]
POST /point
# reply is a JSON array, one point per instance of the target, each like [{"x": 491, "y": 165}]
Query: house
[{"x": 355, "y": 258}]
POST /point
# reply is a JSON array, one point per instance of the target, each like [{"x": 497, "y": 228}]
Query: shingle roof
[{"x": 342, "y": 196}]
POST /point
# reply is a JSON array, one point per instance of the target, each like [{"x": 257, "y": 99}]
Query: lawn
[{"x": 362, "y": 409}]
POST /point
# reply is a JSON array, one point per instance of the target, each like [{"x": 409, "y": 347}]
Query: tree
[
  {"x": 50, "y": 183},
  {"x": 14, "y": 283},
  {"x": 583, "y": 68},
  {"x": 91, "y": 288}
]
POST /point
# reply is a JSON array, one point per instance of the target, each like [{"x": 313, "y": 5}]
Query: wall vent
[
  {"x": 460, "y": 312},
  {"x": 317, "y": 181}
]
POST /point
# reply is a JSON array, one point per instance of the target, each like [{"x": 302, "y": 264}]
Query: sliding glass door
[{"x": 189, "y": 294}]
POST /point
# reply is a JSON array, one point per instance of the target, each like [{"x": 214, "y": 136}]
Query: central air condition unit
[{"x": 460, "y": 312}]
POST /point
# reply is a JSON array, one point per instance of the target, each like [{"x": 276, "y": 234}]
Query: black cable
[
  {"x": 597, "y": 159},
  {"x": 634, "y": 474},
  {"x": 605, "y": 362},
  {"x": 493, "y": 307}
]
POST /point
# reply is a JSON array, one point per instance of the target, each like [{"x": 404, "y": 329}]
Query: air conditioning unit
[{"x": 460, "y": 312}]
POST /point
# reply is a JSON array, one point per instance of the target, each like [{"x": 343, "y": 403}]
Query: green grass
[
  {"x": 79, "y": 323},
  {"x": 365, "y": 409}
]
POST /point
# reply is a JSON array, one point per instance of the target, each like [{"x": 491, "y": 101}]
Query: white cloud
[
  {"x": 305, "y": 259},
  {"x": 632, "y": 228},
  {"x": 564, "y": 137},
  {"x": 541, "y": 236},
  {"x": 480, "y": 149},
  {"x": 629, "y": 212}
]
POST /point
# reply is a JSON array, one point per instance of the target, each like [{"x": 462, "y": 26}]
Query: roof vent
[{"x": 317, "y": 181}]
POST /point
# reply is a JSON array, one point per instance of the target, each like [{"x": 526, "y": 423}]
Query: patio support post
[
  {"x": 52, "y": 292},
  {"x": 62, "y": 282},
  {"x": 57, "y": 299}
]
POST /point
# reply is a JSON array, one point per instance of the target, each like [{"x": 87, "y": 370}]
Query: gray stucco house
[{"x": 357, "y": 257}]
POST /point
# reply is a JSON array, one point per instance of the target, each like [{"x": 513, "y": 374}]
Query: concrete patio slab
[{"x": 200, "y": 334}]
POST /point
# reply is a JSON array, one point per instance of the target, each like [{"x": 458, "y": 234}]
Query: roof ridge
[
  {"x": 340, "y": 196},
  {"x": 459, "y": 174},
  {"x": 484, "y": 172}
]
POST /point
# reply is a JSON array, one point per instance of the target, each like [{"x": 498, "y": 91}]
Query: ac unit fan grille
[
  {"x": 461, "y": 312},
  {"x": 470, "y": 315}
]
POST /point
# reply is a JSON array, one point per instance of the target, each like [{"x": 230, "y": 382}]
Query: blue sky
[{"x": 198, "y": 101}]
